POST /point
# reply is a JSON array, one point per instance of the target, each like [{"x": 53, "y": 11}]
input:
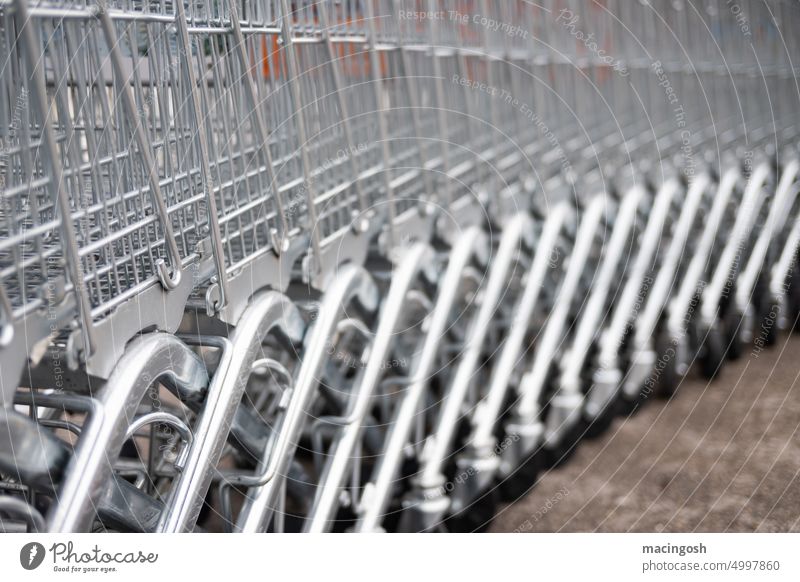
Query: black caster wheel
[
  {"x": 524, "y": 477},
  {"x": 770, "y": 325},
  {"x": 602, "y": 422},
  {"x": 793, "y": 314},
  {"x": 712, "y": 353},
  {"x": 630, "y": 406},
  {"x": 559, "y": 454},
  {"x": 765, "y": 322},
  {"x": 732, "y": 327},
  {"x": 667, "y": 378},
  {"x": 476, "y": 517},
  {"x": 346, "y": 519},
  {"x": 394, "y": 513},
  {"x": 792, "y": 303}
]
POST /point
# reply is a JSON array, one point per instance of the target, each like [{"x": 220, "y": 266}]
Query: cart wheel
[
  {"x": 732, "y": 323},
  {"x": 629, "y": 406},
  {"x": 559, "y": 454},
  {"x": 476, "y": 517},
  {"x": 712, "y": 353},
  {"x": 792, "y": 307},
  {"x": 765, "y": 322},
  {"x": 668, "y": 377},
  {"x": 792, "y": 301},
  {"x": 603, "y": 421},
  {"x": 770, "y": 321},
  {"x": 524, "y": 477}
]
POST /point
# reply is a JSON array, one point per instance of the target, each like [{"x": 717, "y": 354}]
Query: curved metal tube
[
  {"x": 268, "y": 313},
  {"x": 430, "y": 502},
  {"x": 643, "y": 358},
  {"x": 785, "y": 195},
  {"x": 534, "y": 381},
  {"x": 568, "y": 401},
  {"x": 573, "y": 362},
  {"x": 14, "y": 506},
  {"x": 150, "y": 358},
  {"x": 6, "y": 322},
  {"x": 607, "y": 376},
  {"x": 694, "y": 272},
  {"x": 169, "y": 419},
  {"x": 470, "y": 245},
  {"x": 517, "y": 235},
  {"x": 417, "y": 258},
  {"x": 351, "y": 283},
  {"x": 728, "y": 267},
  {"x": 681, "y": 304},
  {"x": 482, "y": 438},
  {"x": 782, "y": 270}
]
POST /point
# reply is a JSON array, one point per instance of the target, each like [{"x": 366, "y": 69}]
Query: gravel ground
[{"x": 718, "y": 457}]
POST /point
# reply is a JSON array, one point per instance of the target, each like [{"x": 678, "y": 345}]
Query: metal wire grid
[
  {"x": 406, "y": 185},
  {"x": 499, "y": 137},
  {"x": 248, "y": 96},
  {"x": 333, "y": 179},
  {"x": 416, "y": 39},
  {"x": 253, "y": 146},
  {"x": 361, "y": 90},
  {"x": 124, "y": 150},
  {"x": 31, "y": 252},
  {"x": 97, "y": 204},
  {"x": 456, "y": 104}
]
